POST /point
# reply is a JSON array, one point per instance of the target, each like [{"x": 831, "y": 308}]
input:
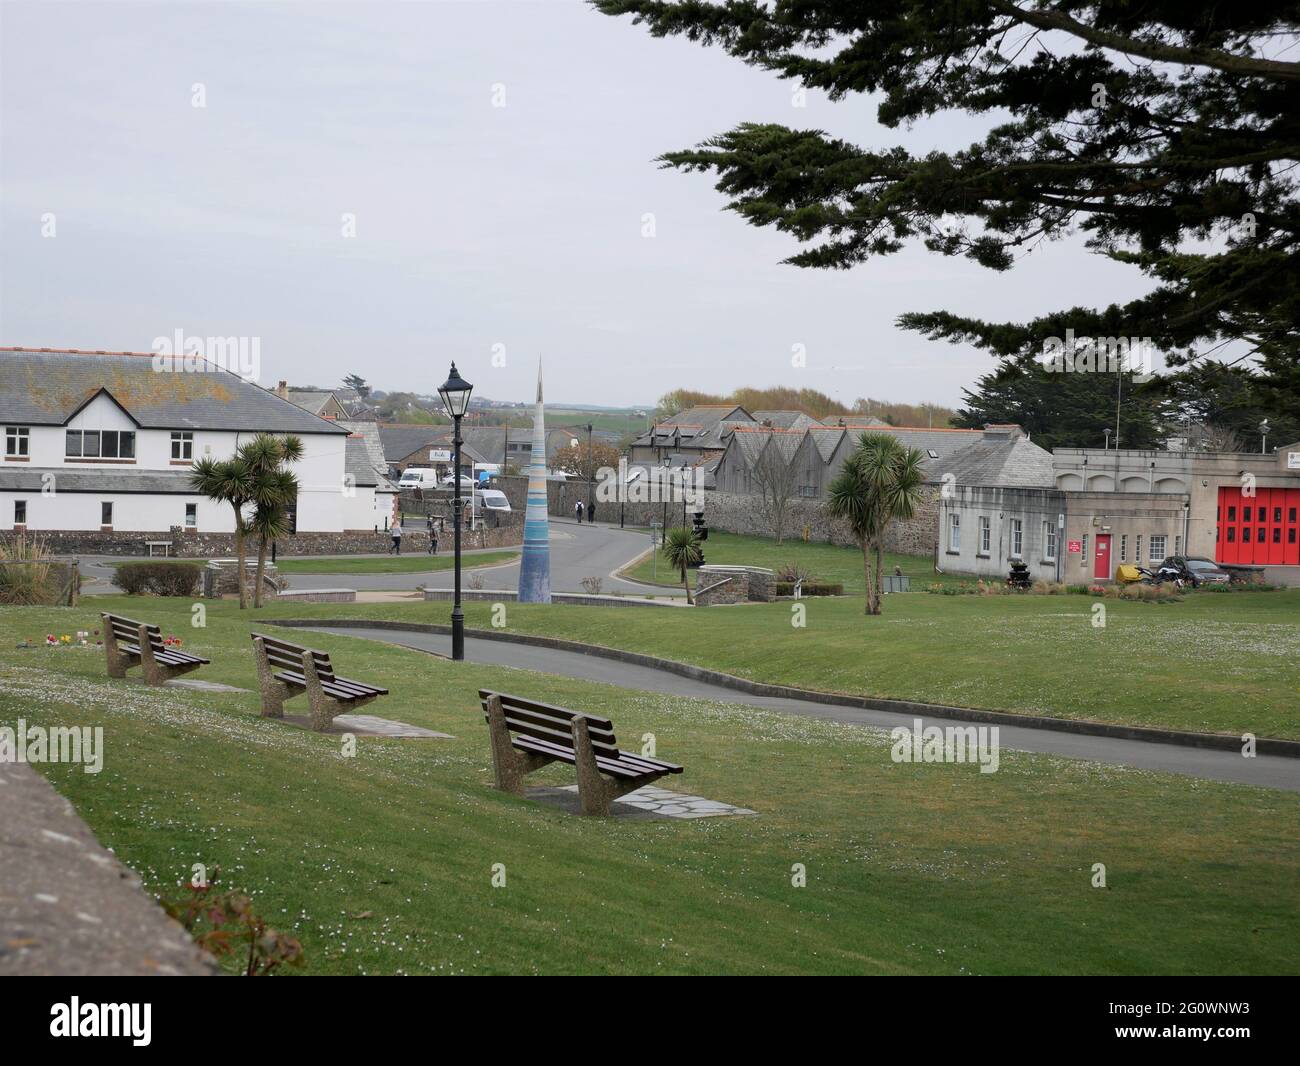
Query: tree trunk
[
  {"x": 261, "y": 571},
  {"x": 866, "y": 576},
  {"x": 686, "y": 584},
  {"x": 239, "y": 558},
  {"x": 880, "y": 562}
]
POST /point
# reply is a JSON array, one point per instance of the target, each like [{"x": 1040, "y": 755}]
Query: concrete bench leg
[
  {"x": 274, "y": 692},
  {"x": 155, "y": 673},
  {"x": 509, "y": 765},
  {"x": 596, "y": 792},
  {"x": 118, "y": 660}
]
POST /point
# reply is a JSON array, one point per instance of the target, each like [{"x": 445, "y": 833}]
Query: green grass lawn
[
  {"x": 412, "y": 563},
  {"x": 1216, "y": 663},
  {"x": 824, "y": 562},
  {"x": 383, "y": 863}
]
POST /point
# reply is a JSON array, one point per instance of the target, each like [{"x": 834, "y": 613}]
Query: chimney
[{"x": 282, "y": 390}]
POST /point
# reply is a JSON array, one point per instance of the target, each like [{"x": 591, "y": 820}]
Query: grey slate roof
[
  {"x": 1001, "y": 462},
  {"x": 826, "y": 439},
  {"x": 165, "y": 482},
  {"x": 943, "y": 441},
  {"x": 786, "y": 419},
  {"x": 358, "y": 462},
  {"x": 46, "y": 388},
  {"x": 314, "y": 402}
]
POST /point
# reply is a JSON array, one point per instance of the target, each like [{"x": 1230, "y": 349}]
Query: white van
[
  {"x": 491, "y": 501},
  {"x": 421, "y": 477}
]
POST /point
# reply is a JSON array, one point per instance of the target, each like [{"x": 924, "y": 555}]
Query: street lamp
[
  {"x": 455, "y": 399},
  {"x": 1264, "y": 427}
]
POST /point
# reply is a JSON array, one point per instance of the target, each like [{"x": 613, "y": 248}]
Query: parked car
[
  {"x": 466, "y": 483},
  {"x": 1198, "y": 571}
]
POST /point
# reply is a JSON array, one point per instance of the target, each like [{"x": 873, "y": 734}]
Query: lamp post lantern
[{"x": 455, "y": 399}]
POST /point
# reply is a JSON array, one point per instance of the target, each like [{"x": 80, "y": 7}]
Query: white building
[{"x": 104, "y": 441}]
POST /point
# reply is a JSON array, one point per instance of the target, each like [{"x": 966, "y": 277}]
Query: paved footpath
[
  {"x": 67, "y": 905},
  {"x": 1267, "y": 771}
]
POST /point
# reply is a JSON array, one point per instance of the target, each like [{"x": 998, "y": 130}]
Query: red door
[{"x": 1101, "y": 566}]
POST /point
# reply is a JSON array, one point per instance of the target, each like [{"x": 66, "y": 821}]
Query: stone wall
[
  {"x": 735, "y": 513},
  {"x": 222, "y": 545},
  {"x": 733, "y": 584}
]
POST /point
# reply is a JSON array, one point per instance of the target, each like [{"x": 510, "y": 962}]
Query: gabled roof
[
  {"x": 399, "y": 441},
  {"x": 855, "y": 421},
  {"x": 315, "y": 402},
  {"x": 46, "y": 386},
  {"x": 826, "y": 439},
  {"x": 786, "y": 419},
  {"x": 943, "y": 442},
  {"x": 999, "y": 461}
]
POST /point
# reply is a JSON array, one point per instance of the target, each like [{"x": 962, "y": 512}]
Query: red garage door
[{"x": 1259, "y": 530}]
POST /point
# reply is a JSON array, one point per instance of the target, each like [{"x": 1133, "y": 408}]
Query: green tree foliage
[
  {"x": 1165, "y": 132},
  {"x": 880, "y": 483},
  {"x": 682, "y": 550}
]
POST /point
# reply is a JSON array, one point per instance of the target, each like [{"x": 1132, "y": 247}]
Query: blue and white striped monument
[{"x": 535, "y": 566}]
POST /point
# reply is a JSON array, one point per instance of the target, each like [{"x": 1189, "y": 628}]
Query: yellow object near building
[{"x": 1127, "y": 573}]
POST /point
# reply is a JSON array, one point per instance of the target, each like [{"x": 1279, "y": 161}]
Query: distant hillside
[{"x": 811, "y": 402}]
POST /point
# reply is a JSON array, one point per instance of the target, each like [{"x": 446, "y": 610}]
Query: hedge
[{"x": 158, "y": 579}]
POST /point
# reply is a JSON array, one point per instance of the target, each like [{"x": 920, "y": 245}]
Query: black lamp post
[{"x": 455, "y": 398}]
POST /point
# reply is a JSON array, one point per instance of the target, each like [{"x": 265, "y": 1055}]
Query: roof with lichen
[{"x": 46, "y": 387}]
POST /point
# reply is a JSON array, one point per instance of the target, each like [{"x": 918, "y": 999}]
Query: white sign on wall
[
  {"x": 439, "y": 455},
  {"x": 1293, "y": 460}
]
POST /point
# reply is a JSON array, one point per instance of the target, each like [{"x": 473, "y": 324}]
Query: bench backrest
[
  {"x": 546, "y": 722},
  {"x": 285, "y": 656},
  {"x": 128, "y": 631}
]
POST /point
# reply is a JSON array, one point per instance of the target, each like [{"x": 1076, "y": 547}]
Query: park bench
[
  {"x": 130, "y": 643},
  {"x": 286, "y": 670},
  {"x": 527, "y": 735}
]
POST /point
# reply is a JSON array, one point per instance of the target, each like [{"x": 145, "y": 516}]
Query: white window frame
[
  {"x": 954, "y": 531},
  {"x": 20, "y": 521},
  {"x": 194, "y": 524},
  {"x": 986, "y": 535},
  {"x": 1123, "y": 547},
  {"x": 182, "y": 443},
  {"x": 1017, "y": 538},
  {"x": 1153, "y": 556},
  {"x": 18, "y": 442},
  {"x": 1083, "y": 558},
  {"x": 1049, "y": 542}
]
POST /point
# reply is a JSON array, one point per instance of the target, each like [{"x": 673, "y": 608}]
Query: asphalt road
[
  {"x": 577, "y": 551},
  {"x": 1266, "y": 771}
]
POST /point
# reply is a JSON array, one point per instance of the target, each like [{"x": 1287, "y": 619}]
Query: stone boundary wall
[
  {"x": 510, "y": 596},
  {"x": 222, "y": 545},
  {"x": 736, "y": 513}
]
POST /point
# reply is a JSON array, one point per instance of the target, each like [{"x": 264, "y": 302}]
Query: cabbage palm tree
[
  {"x": 228, "y": 481},
  {"x": 274, "y": 490},
  {"x": 879, "y": 483},
  {"x": 682, "y": 550}
]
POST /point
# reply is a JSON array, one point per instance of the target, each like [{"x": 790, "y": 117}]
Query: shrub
[
  {"x": 789, "y": 573},
  {"x": 24, "y": 573},
  {"x": 808, "y": 588},
  {"x": 591, "y": 585},
  {"x": 158, "y": 579}
]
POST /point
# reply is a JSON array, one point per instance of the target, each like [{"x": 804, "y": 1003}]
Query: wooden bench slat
[
  {"x": 595, "y": 727},
  {"x": 349, "y": 691},
  {"x": 561, "y": 713},
  {"x": 565, "y": 754}
]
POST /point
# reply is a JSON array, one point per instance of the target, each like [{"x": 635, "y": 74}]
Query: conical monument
[{"x": 535, "y": 566}]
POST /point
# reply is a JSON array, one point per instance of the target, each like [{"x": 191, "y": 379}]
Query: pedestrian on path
[
  {"x": 396, "y": 534},
  {"x": 577, "y": 511},
  {"x": 433, "y": 536}
]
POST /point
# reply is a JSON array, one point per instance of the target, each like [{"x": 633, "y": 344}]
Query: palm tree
[
  {"x": 228, "y": 481},
  {"x": 879, "y": 483},
  {"x": 682, "y": 550},
  {"x": 274, "y": 489}
]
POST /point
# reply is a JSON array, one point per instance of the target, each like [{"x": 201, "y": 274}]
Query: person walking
[
  {"x": 396, "y": 534},
  {"x": 577, "y": 511},
  {"x": 433, "y": 536}
]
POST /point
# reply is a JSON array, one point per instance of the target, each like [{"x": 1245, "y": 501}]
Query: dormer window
[{"x": 100, "y": 444}]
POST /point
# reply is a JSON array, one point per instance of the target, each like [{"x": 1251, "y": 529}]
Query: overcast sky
[{"x": 475, "y": 225}]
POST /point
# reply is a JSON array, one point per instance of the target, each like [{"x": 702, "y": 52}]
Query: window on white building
[
  {"x": 954, "y": 532},
  {"x": 1017, "y": 537},
  {"x": 17, "y": 441},
  {"x": 94, "y": 444},
  {"x": 191, "y": 515},
  {"x": 182, "y": 445},
  {"x": 1137, "y": 549},
  {"x": 1157, "y": 548},
  {"x": 1049, "y": 542},
  {"x": 1123, "y": 547},
  {"x": 986, "y": 536},
  {"x": 105, "y": 514},
  {"x": 20, "y": 512},
  {"x": 1178, "y": 545}
]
